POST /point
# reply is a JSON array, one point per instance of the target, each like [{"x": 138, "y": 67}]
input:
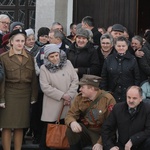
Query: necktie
[{"x": 132, "y": 111}]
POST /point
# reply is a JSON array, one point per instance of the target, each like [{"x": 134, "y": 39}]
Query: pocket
[
  {"x": 12, "y": 72},
  {"x": 28, "y": 72}
]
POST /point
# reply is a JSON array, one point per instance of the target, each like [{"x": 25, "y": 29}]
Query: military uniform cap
[
  {"x": 17, "y": 31},
  {"x": 90, "y": 80}
]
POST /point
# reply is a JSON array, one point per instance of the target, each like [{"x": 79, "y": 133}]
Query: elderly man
[
  {"x": 4, "y": 26},
  {"x": 87, "y": 114},
  {"x": 132, "y": 121}
]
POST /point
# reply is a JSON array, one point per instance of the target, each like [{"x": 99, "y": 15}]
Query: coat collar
[{"x": 14, "y": 58}]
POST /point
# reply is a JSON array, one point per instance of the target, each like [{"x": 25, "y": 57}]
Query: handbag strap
[
  {"x": 95, "y": 101},
  {"x": 58, "y": 119}
]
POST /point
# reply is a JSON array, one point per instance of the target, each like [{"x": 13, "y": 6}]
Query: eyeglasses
[
  {"x": 107, "y": 43},
  {"x": 8, "y": 23}
]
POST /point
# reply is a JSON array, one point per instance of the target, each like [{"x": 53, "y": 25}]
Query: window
[{"x": 20, "y": 10}]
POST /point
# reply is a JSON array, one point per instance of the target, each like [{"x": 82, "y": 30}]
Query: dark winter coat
[
  {"x": 118, "y": 73},
  {"x": 85, "y": 59},
  {"x": 1, "y": 73},
  {"x": 144, "y": 62},
  {"x": 136, "y": 127}
]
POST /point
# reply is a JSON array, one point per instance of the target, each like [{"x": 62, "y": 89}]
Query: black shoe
[{"x": 36, "y": 141}]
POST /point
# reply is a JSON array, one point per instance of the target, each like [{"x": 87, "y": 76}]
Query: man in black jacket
[
  {"x": 88, "y": 23},
  {"x": 132, "y": 121}
]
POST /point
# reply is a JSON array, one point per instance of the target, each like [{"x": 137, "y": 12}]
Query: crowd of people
[{"x": 101, "y": 76}]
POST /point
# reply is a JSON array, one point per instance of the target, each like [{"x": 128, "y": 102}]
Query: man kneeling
[{"x": 87, "y": 113}]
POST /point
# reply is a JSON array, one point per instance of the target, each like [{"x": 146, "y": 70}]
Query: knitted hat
[
  {"x": 5, "y": 39},
  {"x": 29, "y": 32},
  {"x": 15, "y": 24},
  {"x": 17, "y": 31},
  {"x": 90, "y": 80},
  {"x": 43, "y": 31},
  {"x": 51, "y": 48},
  {"x": 82, "y": 32},
  {"x": 118, "y": 27}
]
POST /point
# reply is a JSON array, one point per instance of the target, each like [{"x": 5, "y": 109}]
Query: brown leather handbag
[{"x": 56, "y": 135}]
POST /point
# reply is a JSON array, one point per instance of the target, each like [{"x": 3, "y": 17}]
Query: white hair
[{"x": 4, "y": 16}]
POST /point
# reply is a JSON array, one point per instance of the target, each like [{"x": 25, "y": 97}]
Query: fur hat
[
  {"x": 17, "y": 31},
  {"x": 118, "y": 27},
  {"x": 29, "y": 32},
  {"x": 82, "y": 32},
  {"x": 15, "y": 24},
  {"x": 43, "y": 31},
  {"x": 90, "y": 80},
  {"x": 5, "y": 39},
  {"x": 51, "y": 48}
]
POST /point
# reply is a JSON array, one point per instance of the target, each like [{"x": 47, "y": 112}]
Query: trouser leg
[{"x": 79, "y": 140}]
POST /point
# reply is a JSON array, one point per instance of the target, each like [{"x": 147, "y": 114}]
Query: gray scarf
[{"x": 55, "y": 67}]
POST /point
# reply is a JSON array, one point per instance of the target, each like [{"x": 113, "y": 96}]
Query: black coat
[
  {"x": 96, "y": 36},
  {"x": 85, "y": 59},
  {"x": 1, "y": 73},
  {"x": 118, "y": 73},
  {"x": 136, "y": 127},
  {"x": 144, "y": 62}
]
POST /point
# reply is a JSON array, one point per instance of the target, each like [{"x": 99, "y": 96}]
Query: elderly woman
[
  {"x": 58, "y": 81},
  {"x": 120, "y": 70},
  {"x": 83, "y": 55},
  {"x": 106, "y": 47},
  {"x": 18, "y": 90}
]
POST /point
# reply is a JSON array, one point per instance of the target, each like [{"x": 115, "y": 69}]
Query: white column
[{"x": 49, "y": 11}]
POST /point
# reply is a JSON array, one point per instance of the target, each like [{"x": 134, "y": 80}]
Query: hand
[
  {"x": 139, "y": 53},
  {"x": 33, "y": 102},
  {"x": 128, "y": 145},
  {"x": 115, "y": 148},
  {"x": 67, "y": 103},
  {"x": 66, "y": 97},
  {"x": 76, "y": 70},
  {"x": 75, "y": 127},
  {"x": 2, "y": 105},
  {"x": 97, "y": 146}
]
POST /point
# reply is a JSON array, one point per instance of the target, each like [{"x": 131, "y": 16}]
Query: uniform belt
[
  {"x": 94, "y": 126},
  {"x": 18, "y": 85}
]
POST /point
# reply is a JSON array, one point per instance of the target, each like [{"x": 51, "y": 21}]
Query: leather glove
[
  {"x": 75, "y": 127},
  {"x": 2, "y": 105}
]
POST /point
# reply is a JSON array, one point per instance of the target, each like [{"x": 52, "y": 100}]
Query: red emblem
[{"x": 110, "y": 107}]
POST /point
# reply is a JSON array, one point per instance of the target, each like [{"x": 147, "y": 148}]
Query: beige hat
[{"x": 90, "y": 80}]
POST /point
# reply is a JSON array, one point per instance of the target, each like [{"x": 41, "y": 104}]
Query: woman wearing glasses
[
  {"x": 4, "y": 26},
  {"x": 106, "y": 47}
]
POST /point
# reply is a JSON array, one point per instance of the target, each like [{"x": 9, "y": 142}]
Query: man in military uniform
[{"x": 87, "y": 113}]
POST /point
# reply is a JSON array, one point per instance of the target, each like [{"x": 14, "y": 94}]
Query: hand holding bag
[{"x": 56, "y": 134}]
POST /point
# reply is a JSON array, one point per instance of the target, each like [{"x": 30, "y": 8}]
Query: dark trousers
[
  {"x": 36, "y": 123},
  {"x": 85, "y": 138}
]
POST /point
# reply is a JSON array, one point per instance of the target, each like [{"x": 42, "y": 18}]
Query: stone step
[{"x": 27, "y": 146}]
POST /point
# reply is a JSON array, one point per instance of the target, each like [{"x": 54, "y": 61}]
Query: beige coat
[{"x": 54, "y": 85}]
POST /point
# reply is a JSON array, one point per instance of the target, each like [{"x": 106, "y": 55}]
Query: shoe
[
  {"x": 36, "y": 141},
  {"x": 29, "y": 133}
]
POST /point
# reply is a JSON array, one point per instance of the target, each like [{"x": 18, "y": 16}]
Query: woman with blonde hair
[{"x": 18, "y": 90}]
